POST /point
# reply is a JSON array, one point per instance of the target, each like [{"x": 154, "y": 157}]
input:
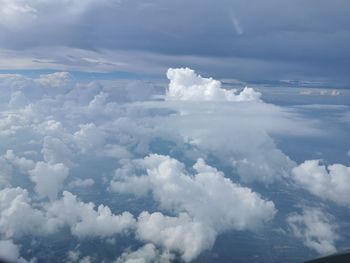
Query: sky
[
  {"x": 252, "y": 41},
  {"x": 174, "y": 131}
]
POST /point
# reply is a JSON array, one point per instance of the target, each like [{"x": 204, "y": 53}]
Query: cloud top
[{"x": 185, "y": 84}]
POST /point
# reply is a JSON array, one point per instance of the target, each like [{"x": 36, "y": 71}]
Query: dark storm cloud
[{"x": 299, "y": 37}]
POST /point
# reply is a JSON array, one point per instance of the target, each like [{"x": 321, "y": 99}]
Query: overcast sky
[{"x": 248, "y": 40}]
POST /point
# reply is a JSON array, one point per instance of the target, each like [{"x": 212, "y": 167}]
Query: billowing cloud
[
  {"x": 17, "y": 216},
  {"x": 185, "y": 84},
  {"x": 315, "y": 228},
  {"x": 10, "y": 252},
  {"x": 330, "y": 182},
  {"x": 66, "y": 134},
  {"x": 55, "y": 151},
  {"x": 84, "y": 220},
  {"x": 182, "y": 234},
  {"x": 48, "y": 178},
  {"x": 211, "y": 202},
  {"x": 146, "y": 254}
]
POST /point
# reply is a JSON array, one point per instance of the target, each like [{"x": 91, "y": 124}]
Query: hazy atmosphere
[{"x": 174, "y": 131}]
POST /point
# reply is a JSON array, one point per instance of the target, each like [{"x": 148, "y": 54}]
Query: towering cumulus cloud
[{"x": 185, "y": 84}]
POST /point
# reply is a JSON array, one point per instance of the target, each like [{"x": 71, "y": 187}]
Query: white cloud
[
  {"x": 315, "y": 229},
  {"x": 330, "y": 182},
  {"x": 55, "y": 151},
  {"x": 182, "y": 234},
  {"x": 208, "y": 204},
  {"x": 16, "y": 13},
  {"x": 81, "y": 183},
  {"x": 239, "y": 135},
  {"x": 18, "y": 100},
  {"x": 146, "y": 254},
  {"x": 10, "y": 252},
  {"x": 96, "y": 122},
  {"x": 23, "y": 164},
  {"x": 5, "y": 172},
  {"x": 48, "y": 178},
  {"x": 57, "y": 80},
  {"x": 185, "y": 84},
  {"x": 17, "y": 216},
  {"x": 89, "y": 137},
  {"x": 84, "y": 220}
]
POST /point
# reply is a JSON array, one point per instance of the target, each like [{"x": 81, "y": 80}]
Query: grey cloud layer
[{"x": 291, "y": 39}]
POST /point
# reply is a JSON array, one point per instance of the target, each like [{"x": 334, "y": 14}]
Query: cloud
[
  {"x": 17, "y": 216},
  {"x": 330, "y": 182},
  {"x": 48, "y": 178},
  {"x": 207, "y": 203},
  {"x": 16, "y": 13},
  {"x": 85, "y": 221},
  {"x": 31, "y": 28},
  {"x": 10, "y": 252},
  {"x": 67, "y": 134},
  {"x": 89, "y": 137},
  {"x": 315, "y": 228},
  {"x": 81, "y": 183},
  {"x": 182, "y": 234},
  {"x": 57, "y": 80},
  {"x": 55, "y": 151},
  {"x": 185, "y": 84},
  {"x": 5, "y": 172},
  {"x": 146, "y": 254}
]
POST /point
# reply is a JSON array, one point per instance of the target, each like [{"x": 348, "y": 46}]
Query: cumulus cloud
[
  {"x": 81, "y": 183},
  {"x": 315, "y": 228},
  {"x": 58, "y": 128},
  {"x": 84, "y": 220},
  {"x": 330, "y": 182},
  {"x": 185, "y": 84},
  {"x": 182, "y": 234},
  {"x": 5, "y": 172},
  {"x": 146, "y": 254},
  {"x": 211, "y": 202},
  {"x": 58, "y": 80},
  {"x": 89, "y": 137},
  {"x": 48, "y": 178},
  {"x": 17, "y": 216},
  {"x": 55, "y": 151},
  {"x": 10, "y": 252},
  {"x": 23, "y": 164}
]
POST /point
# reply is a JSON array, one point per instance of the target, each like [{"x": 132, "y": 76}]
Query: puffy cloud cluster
[
  {"x": 315, "y": 228},
  {"x": 18, "y": 217},
  {"x": 146, "y": 254},
  {"x": 68, "y": 135},
  {"x": 84, "y": 220},
  {"x": 48, "y": 177},
  {"x": 330, "y": 182},
  {"x": 185, "y": 84},
  {"x": 207, "y": 204},
  {"x": 10, "y": 252}
]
